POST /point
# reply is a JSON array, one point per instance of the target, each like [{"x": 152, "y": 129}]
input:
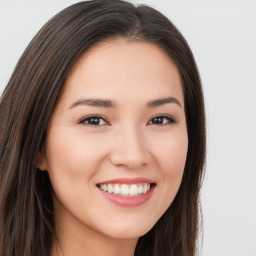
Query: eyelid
[
  {"x": 170, "y": 118},
  {"x": 82, "y": 120}
]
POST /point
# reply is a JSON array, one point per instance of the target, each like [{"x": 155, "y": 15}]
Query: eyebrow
[
  {"x": 108, "y": 103},
  {"x": 160, "y": 102},
  {"x": 93, "y": 103}
]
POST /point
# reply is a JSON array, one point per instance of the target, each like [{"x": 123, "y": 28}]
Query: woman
[{"x": 102, "y": 137}]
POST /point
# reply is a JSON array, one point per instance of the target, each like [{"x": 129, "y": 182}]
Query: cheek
[
  {"x": 73, "y": 154},
  {"x": 172, "y": 158},
  {"x": 172, "y": 155},
  {"x": 72, "y": 161}
]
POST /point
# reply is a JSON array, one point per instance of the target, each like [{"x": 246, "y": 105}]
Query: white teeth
[
  {"x": 110, "y": 188},
  {"x": 117, "y": 189},
  {"x": 140, "y": 189},
  {"x": 104, "y": 187},
  {"x": 144, "y": 189},
  {"x": 125, "y": 189},
  {"x": 133, "y": 190}
]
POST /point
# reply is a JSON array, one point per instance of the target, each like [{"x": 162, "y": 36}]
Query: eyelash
[
  {"x": 86, "y": 121},
  {"x": 170, "y": 120}
]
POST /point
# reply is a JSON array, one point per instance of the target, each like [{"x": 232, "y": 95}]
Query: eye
[
  {"x": 162, "y": 120},
  {"x": 94, "y": 121}
]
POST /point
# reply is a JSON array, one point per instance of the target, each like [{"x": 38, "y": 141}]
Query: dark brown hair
[{"x": 26, "y": 208}]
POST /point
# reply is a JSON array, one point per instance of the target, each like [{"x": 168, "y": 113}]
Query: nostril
[
  {"x": 129, "y": 160},
  {"x": 129, "y": 149}
]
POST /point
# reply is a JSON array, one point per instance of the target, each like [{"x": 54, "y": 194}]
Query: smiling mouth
[{"x": 126, "y": 190}]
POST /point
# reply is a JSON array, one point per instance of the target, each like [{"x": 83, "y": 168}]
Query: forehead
[{"x": 112, "y": 68}]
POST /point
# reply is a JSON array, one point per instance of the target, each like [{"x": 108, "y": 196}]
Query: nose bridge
[{"x": 130, "y": 147}]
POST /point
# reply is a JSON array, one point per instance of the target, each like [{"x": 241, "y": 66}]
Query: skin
[{"x": 125, "y": 142}]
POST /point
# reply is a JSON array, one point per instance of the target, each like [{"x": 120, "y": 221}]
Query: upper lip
[{"x": 128, "y": 181}]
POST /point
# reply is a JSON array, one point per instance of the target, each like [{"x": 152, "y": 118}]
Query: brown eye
[
  {"x": 161, "y": 120},
  {"x": 94, "y": 121}
]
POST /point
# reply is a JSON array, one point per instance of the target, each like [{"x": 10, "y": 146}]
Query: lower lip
[{"x": 128, "y": 201}]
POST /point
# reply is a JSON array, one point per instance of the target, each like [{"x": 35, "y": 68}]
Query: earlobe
[{"x": 41, "y": 162}]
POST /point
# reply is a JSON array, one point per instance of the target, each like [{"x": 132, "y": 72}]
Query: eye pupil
[
  {"x": 94, "y": 121},
  {"x": 157, "y": 120}
]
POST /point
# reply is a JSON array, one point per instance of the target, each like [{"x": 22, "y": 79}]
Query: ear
[{"x": 41, "y": 161}]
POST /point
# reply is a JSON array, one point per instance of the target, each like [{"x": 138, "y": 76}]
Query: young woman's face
[{"x": 117, "y": 141}]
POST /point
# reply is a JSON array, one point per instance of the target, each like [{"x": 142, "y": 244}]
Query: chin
[{"x": 130, "y": 231}]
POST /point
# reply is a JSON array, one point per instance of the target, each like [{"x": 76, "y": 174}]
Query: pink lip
[
  {"x": 128, "y": 201},
  {"x": 128, "y": 181}
]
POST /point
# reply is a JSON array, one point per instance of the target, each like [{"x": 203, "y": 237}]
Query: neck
[{"x": 91, "y": 247}]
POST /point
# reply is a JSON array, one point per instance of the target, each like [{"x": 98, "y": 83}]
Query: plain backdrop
[{"x": 222, "y": 36}]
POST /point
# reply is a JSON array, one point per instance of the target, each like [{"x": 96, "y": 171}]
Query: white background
[{"x": 222, "y": 35}]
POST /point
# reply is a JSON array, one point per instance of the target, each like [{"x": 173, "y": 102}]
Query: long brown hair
[{"x": 26, "y": 207}]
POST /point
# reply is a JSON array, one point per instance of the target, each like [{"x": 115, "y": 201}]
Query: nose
[{"x": 129, "y": 149}]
